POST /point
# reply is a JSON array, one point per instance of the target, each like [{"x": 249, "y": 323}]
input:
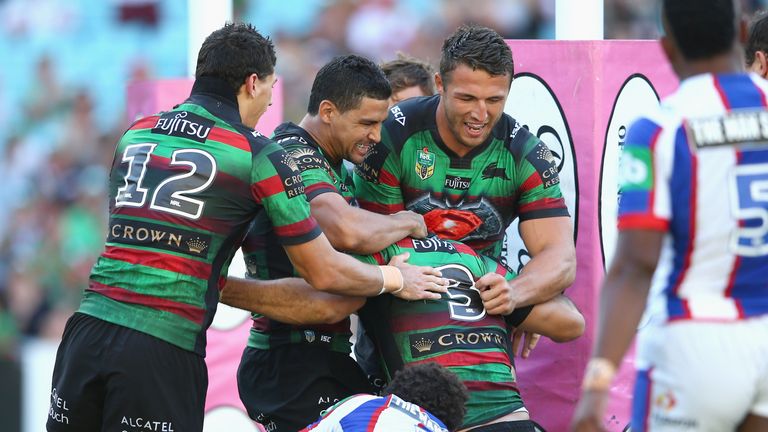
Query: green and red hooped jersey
[
  {"x": 455, "y": 331},
  {"x": 472, "y": 198},
  {"x": 184, "y": 187},
  {"x": 265, "y": 259}
]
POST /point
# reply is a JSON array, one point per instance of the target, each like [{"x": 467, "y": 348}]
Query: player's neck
[
  {"x": 723, "y": 64},
  {"x": 320, "y": 132}
]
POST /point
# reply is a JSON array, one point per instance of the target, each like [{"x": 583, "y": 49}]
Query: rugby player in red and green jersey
[
  {"x": 471, "y": 169},
  {"x": 185, "y": 186},
  {"x": 289, "y": 374},
  {"x": 456, "y": 331}
]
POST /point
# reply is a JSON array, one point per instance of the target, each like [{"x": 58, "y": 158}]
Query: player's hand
[
  {"x": 589, "y": 412},
  {"x": 419, "y": 227},
  {"x": 531, "y": 339},
  {"x": 419, "y": 282},
  {"x": 496, "y": 294}
]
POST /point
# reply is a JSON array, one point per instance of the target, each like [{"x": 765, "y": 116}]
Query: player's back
[
  {"x": 184, "y": 186},
  {"x": 708, "y": 147}
]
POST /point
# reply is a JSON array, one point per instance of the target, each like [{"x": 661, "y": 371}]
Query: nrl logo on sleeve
[
  {"x": 739, "y": 128},
  {"x": 425, "y": 163},
  {"x": 184, "y": 124}
]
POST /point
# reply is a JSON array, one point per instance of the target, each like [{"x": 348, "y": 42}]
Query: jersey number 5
[
  {"x": 172, "y": 195},
  {"x": 749, "y": 205}
]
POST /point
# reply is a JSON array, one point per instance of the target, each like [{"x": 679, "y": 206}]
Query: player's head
[
  {"x": 409, "y": 77},
  {"x": 756, "y": 50},
  {"x": 476, "y": 70},
  {"x": 244, "y": 59},
  {"x": 350, "y": 95},
  {"x": 433, "y": 388},
  {"x": 699, "y": 33}
]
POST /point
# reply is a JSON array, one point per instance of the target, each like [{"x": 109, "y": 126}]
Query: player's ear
[{"x": 327, "y": 110}]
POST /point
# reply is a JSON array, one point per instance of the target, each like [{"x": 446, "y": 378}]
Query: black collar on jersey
[{"x": 224, "y": 103}]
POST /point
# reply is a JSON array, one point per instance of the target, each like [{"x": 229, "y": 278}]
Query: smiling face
[
  {"x": 471, "y": 103},
  {"x": 357, "y": 130}
]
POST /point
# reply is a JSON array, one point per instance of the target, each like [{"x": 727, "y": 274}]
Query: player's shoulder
[
  {"x": 515, "y": 136},
  {"x": 409, "y": 117},
  {"x": 300, "y": 145}
]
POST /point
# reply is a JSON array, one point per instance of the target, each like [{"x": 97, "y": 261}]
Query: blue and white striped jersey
[{"x": 697, "y": 169}]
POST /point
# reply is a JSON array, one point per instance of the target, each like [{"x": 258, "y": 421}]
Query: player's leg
[
  {"x": 77, "y": 388},
  {"x": 154, "y": 386},
  {"x": 757, "y": 420}
]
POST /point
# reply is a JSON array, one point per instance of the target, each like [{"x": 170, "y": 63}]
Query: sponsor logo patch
[
  {"x": 457, "y": 182},
  {"x": 433, "y": 244},
  {"x": 289, "y": 173},
  {"x": 429, "y": 343},
  {"x": 544, "y": 163},
  {"x": 398, "y": 115},
  {"x": 184, "y": 124},
  {"x": 307, "y": 158},
  {"x": 739, "y": 128},
  {"x": 635, "y": 169},
  {"x": 138, "y": 233}
]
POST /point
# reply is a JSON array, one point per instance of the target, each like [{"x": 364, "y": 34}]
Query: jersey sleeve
[
  {"x": 314, "y": 169},
  {"x": 277, "y": 185},
  {"x": 642, "y": 190},
  {"x": 538, "y": 182},
  {"x": 377, "y": 179}
]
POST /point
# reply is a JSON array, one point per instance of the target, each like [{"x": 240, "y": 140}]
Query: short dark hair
[
  {"x": 701, "y": 28},
  {"x": 434, "y": 388},
  {"x": 234, "y": 52},
  {"x": 758, "y": 36},
  {"x": 406, "y": 71},
  {"x": 345, "y": 81},
  {"x": 479, "y": 48}
]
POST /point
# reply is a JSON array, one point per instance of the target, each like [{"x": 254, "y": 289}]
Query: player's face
[
  {"x": 406, "y": 93},
  {"x": 357, "y": 130},
  {"x": 472, "y": 102}
]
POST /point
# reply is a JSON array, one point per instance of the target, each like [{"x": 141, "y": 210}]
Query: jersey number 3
[
  {"x": 173, "y": 194},
  {"x": 465, "y": 303}
]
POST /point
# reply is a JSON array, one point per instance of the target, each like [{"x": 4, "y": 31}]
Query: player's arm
[
  {"x": 551, "y": 269},
  {"x": 278, "y": 186},
  {"x": 289, "y": 300},
  {"x": 334, "y": 272},
  {"x": 360, "y": 231},
  {"x": 557, "y": 319}
]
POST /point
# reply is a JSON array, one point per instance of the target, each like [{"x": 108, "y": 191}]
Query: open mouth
[{"x": 474, "y": 130}]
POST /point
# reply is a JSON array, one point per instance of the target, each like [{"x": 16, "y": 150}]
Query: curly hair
[{"x": 433, "y": 388}]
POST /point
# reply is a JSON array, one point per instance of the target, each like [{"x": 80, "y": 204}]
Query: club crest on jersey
[{"x": 425, "y": 163}]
